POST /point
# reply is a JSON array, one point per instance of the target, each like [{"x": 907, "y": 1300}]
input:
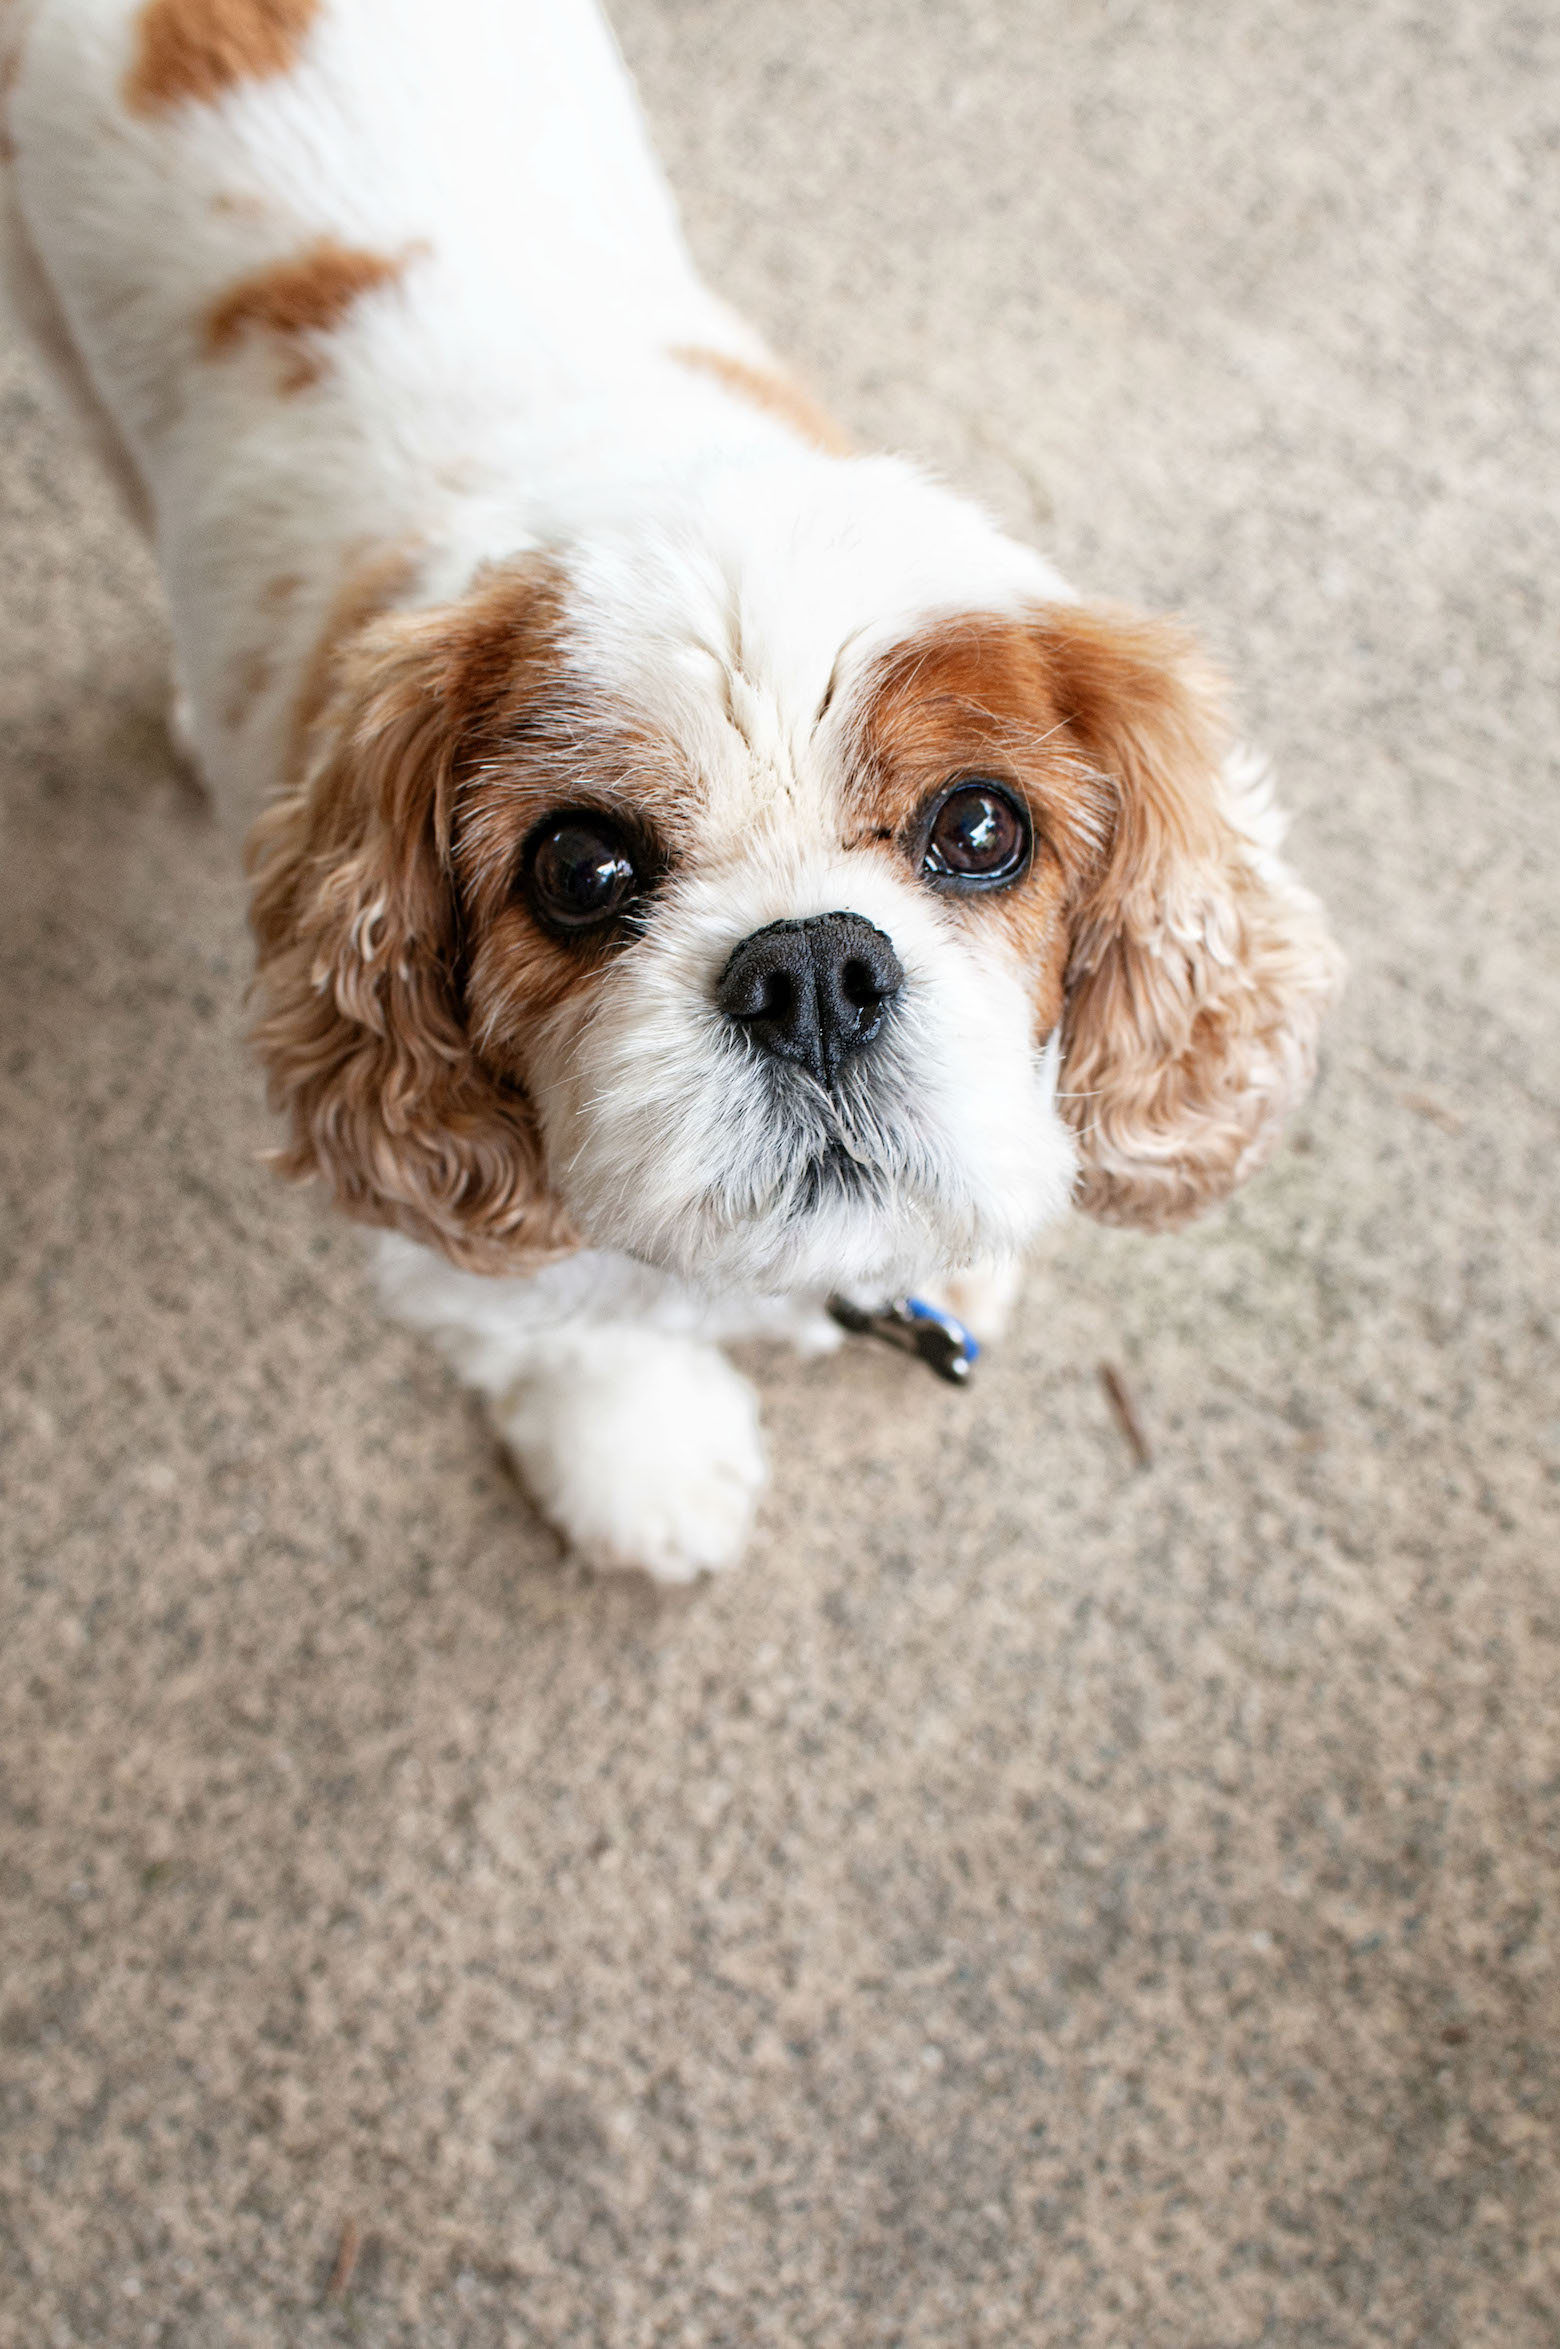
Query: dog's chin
[
  {"x": 835, "y": 1244},
  {"x": 835, "y": 1223}
]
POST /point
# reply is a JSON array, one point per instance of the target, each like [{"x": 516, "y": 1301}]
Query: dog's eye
[
  {"x": 978, "y": 838},
  {"x": 579, "y": 871}
]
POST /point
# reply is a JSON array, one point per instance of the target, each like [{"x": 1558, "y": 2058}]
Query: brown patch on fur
[
  {"x": 1189, "y": 970},
  {"x": 198, "y": 50},
  {"x": 767, "y": 389},
  {"x": 279, "y": 592},
  {"x": 563, "y": 750},
  {"x": 401, "y": 974},
  {"x": 299, "y": 299},
  {"x": 975, "y": 697}
]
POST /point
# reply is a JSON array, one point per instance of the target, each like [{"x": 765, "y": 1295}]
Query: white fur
[
  {"x": 661, "y": 1128},
  {"x": 642, "y": 1449},
  {"x": 636, "y": 1438},
  {"x": 516, "y": 389}
]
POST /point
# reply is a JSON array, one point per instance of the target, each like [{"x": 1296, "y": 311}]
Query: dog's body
[{"x": 697, "y": 868}]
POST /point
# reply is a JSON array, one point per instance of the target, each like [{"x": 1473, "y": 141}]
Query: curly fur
[
  {"x": 360, "y": 947},
  {"x": 1199, "y": 968}
]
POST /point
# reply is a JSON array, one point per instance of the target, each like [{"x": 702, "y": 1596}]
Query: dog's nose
[{"x": 813, "y": 991}]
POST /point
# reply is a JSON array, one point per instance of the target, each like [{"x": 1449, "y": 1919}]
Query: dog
[{"x": 699, "y": 870}]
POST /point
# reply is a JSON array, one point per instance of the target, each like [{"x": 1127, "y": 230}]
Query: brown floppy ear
[
  {"x": 1199, "y": 967},
  {"x": 356, "y": 916}
]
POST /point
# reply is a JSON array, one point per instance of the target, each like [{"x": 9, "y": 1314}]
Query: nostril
[
  {"x": 758, "y": 987},
  {"x": 859, "y": 986}
]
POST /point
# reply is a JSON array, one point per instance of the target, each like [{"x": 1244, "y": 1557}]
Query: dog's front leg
[
  {"x": 638, "y": 1441},
  {"x": 642, "y": 1448}
]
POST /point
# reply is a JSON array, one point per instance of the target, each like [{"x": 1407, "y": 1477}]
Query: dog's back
[
  {"x": 328, "y": 275},
  {"x": 170, "y": 154}
]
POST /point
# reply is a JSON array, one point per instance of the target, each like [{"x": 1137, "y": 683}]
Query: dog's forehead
[{"x": 741, "y": 616}]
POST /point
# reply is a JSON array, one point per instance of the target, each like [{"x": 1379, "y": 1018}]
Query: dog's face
[{"x": 797, "y": 906}]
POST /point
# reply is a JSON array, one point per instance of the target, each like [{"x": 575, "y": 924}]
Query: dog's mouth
[
  {"x": 758, "y": 1177},
  {"x": 831, "y": 1175}
]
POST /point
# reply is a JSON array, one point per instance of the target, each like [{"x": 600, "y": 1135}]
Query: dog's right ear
[
  {"x": 1200, "y": 968},
  {"x": 357, "y": 919}
]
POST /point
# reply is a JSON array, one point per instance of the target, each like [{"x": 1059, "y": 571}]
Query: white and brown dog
[{"x": 697, "y": 869}]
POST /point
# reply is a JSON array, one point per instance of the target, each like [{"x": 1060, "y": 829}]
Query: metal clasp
[{"x": 940, "y": 1340}]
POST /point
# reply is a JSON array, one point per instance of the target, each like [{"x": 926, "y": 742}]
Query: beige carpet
[{"x": 1041, "y": 1901}]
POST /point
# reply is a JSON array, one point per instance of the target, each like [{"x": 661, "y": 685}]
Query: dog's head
[{"x": 818, "y": 903}]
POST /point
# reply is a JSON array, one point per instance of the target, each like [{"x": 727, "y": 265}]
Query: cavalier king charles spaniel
[{"x": 699, "y": 870}]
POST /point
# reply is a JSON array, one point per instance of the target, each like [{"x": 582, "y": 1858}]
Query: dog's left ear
[
  {"x": 1199, "y": 967},
  {"x": 357, "y": 918}
]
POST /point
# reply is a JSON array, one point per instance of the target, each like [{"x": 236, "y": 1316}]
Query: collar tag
[{"x": 941, "y": 1341}]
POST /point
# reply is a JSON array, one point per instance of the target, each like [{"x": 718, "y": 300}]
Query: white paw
[{"x": 642, "y": 1449}]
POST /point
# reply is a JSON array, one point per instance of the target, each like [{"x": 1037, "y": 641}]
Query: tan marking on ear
[
  {"x": 198, "y": 50},
  {"x": 371, "y": 585},
  {"x": 1188, "y": 968},
  {"x": 975, "y": 697},
  {"x": 298, "y": 299},
  {"x": 767, "y": 389},
  {"x": 361, "y": 938},
  {"x": 1200, "y": 967}
]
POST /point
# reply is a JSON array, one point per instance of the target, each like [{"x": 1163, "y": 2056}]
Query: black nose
[{"x": 812, "y": 991}]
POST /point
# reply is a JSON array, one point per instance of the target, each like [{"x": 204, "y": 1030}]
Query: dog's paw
[{"x": 643, "y": 1450}]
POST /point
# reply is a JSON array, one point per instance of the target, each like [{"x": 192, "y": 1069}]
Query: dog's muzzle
[{"x": 813, "y": 992}]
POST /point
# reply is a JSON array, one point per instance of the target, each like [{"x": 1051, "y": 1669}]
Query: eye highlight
[
  {"x": 581, "y": 870},
  {"x": 977, "y": 836}
]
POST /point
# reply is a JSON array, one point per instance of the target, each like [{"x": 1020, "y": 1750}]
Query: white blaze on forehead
[
  {"x": 739, "y": 613},
  {"x": 834, "y": 557}
]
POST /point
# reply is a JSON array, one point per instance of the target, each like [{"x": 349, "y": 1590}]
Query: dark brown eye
[
  {"x": 580, "y": 871},
  {"x": 978, "y": 838}
]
